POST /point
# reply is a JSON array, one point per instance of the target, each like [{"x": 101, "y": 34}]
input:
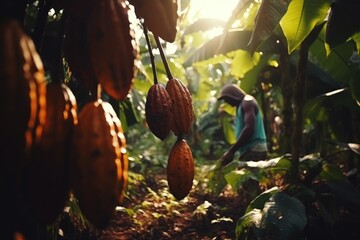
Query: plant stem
[
  {"x": 163, "y": 57},
  {"x": 151, "y": 54}
]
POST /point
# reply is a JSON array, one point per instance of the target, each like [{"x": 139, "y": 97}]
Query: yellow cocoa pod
[
  {"x": 180, "y": 169},
  {"x": 113, "y": 47},
  {"x": 97, "y": 170},
  {"x": 183, "y": 114},
  {"x": 158, "y": 111}
]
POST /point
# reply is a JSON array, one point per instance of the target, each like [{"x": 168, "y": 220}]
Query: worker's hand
[{"x": 227, "y": 158}]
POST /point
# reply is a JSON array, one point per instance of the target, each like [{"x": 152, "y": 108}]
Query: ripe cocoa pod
[
  {"x": 183, "y": 114},
  {"x": 23, "y": 90},
  {"x": 14, "y": 92},
  {"x": 97, "y": 163},
  {"x": 160, "y": 16},
  {"x": 158, "y": 111},
  {"x": 76, "y": 51},
  {"x": 113, "y": 48},
  {"x": 123, "y": 163},
  {"x": 46, "y": 177},
  {"x": 180, "y": 169}
]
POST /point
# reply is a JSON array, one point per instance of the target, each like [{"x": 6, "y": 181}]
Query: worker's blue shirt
[{"x": 258, "y": 135}]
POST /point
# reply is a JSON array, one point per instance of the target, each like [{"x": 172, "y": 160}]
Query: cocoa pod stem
[
  {"x": 151, "y": 54},
  {"x": 163, "y": 57}
]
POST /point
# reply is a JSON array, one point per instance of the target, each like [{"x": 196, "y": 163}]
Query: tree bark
[{"x": 286, "y": 90}]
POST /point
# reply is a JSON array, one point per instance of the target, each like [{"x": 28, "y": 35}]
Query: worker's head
[{"x": 232, "y": 94}]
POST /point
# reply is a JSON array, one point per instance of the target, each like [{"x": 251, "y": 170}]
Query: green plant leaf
[
  {"x": 260, "y": 200},
  {"x": 238, "y": 177},
  {"x": 228, "y": 129},
  {"x": 283, "y": 218},
  {"x": 336, "y": 63},
  {"x": 331, "y": 172},
  {"x": 301, "y": 17},
  {"x": 233, "y": 40},
  {"x": 249, "y": 219},
  {"x": 343, "y": 22},
  {"x": 267, "y": 18}
]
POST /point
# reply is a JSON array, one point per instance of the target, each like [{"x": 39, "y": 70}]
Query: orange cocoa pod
[
  {"x": 123, "y": 163},
  {"x": 158, "y": 111},
  {"x": 23, "y": 90},
  {"x": 180, "y": 169},
  {"x": 97, "y": 171},
  {"x": 183, "y": 114},
  {"x": 46, "y": 177},
  {"x": 113, "y": 48}
]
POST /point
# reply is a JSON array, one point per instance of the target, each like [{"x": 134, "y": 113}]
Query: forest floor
[{"x": 149, "y": 211}]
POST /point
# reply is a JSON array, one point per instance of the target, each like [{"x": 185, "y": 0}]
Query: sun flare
[{"x": 215, "y": 9}]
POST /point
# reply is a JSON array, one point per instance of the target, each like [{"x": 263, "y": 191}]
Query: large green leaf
[
  {"x": 234, "y": 40},
  {"x": 267, "y": 18},
  {"x": 336, "y": 64},
  {"x": 302, "y": 16},
  {"x": 343, "y": 22},
  {"x": 242, "y": 63},
  {"x": 284, "y": 218},
  {"x": 228, "y": 130},
  {"x": 259, "y": 201}
]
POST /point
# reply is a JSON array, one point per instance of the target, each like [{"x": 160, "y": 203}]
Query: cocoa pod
[
  {"x": 23, "y": 90},
  {"x": 183, "y": 114},
  {"x": 46, "y": 177},
  {"x": 160, "y": 16},
  {"x": 113, "y": 48},
  {"x": 76, "y": 51},
  {"x": 180, "y": 169},
  {"x": 97, "y": 162},
  {"x": 23, "y": 110},
  {"x": 158, "y": 111},
  {"x": 123, "y": 162}
]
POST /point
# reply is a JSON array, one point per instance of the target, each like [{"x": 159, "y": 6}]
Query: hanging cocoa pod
[
  {"x": 46, "y": 177},
  {"x": 112, "y": 46},
  {"x": 23, "y": 110},
  {"x": 158, "y": 111},
  {"x": 180, "y": 169},
  {"x": 76, "y": 51},
  {"x": 183, "y": 114},
  {"x": 160, "y": 16},
  {"x": 123, "y": 157},
  {"x": 97, "y": 168}
]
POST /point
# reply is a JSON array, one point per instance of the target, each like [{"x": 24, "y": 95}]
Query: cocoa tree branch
[
  {"x": 163, "y": 57},
  {"x": 151, "y": 54}
]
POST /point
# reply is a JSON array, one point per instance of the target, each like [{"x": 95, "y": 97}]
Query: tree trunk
[
  {"x": 299, "y": 97},
  {"x": 286, "y": 90}
]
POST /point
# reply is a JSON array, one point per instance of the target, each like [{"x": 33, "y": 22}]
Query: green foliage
[{"x": 301, "y": 17}]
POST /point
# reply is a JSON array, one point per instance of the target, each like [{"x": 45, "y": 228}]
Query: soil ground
[{"x": 150, "y": 212}]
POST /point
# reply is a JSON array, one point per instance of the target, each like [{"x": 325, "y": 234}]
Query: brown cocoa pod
[
  {"x": 23, "y": 91},
  {"x": 180, "y": 169},
  {"x": 158, "y": 111},
  {"x": 160, "y": 16},
  {"x": 97, "y": 171},
  {"x": 46, "y": 177},
  {"x": 123, "y": 157},
  {"x": 76, "y": 51},
  {"x": 183, "y": 114},
  {"x": 113, "y": 47}
]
